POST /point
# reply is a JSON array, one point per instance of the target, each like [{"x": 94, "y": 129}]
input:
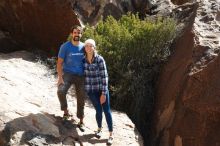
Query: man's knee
[
  {"x": 81, "y": 103},
  {"x": 61, "y": 93},
  {"x": 80, "y": 98},
  {"x": 81, "y": 94}
]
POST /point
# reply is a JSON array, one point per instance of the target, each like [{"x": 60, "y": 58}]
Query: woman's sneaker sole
[
  {"x": 98, "y": 134},
  {"x": 110, "y": 141}
]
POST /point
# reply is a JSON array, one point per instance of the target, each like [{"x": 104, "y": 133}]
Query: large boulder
[
  {"x": 35, "y": 24},
  {"x": 188, "y": 104},
  {"x": 90, "y": 11},
  {"x": 45, "y": 24}
]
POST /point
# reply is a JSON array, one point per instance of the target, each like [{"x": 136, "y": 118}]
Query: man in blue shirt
[{"x": 70, "y": 71}]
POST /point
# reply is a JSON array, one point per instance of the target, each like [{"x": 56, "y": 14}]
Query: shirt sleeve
[
  {"x": 61, "y": 53},
  {"x": 103, "y": 75}
]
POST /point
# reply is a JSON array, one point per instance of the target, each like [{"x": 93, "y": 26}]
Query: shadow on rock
[
  {"x": 39, "y": 129},
  {"x": 28, "y": 56}
]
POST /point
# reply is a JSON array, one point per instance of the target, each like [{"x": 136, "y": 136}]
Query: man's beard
[{"x": 76, "y": 38}]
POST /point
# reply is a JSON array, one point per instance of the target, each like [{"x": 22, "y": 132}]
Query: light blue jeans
[{"x": 95, "y": 98}]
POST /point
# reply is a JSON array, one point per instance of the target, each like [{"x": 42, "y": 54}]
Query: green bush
[{"x": 133, "y": 50}]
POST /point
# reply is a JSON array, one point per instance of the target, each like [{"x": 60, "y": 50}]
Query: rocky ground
[{"x": 30, "y": 113}]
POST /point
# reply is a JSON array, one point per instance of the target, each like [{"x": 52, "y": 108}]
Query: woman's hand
[{"x": 102, "y": 99}]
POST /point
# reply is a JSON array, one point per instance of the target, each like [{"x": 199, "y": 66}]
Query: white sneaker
[
  {"x": 98, "y": 133},
  {"x": 110, "y": 140}
]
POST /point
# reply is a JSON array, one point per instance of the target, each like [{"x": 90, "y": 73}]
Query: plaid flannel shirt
[{"x": 96, "y": 76}]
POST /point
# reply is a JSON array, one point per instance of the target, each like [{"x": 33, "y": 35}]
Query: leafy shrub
[{"x": 133, "y": 50}]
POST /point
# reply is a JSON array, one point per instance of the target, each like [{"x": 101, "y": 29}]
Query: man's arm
[{"x": 60, "y": 71}]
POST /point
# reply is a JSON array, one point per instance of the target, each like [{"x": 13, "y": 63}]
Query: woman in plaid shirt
[{"x": 96, "y": 86}]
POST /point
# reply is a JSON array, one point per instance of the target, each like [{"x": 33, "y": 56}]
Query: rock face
[
  {"x": 187, "y": 110},
  {"x": 90, "y": 11},
  {"x": 30, "y": 112},
  {"x": 187, "y": 104},
  {"x": 45, "y": 24},
  {"x": 180, "y": 2},
  {"x": 35, "y": 24}
]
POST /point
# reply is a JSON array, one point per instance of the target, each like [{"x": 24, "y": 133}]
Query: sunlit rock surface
[{"x": 30, "y": 112}]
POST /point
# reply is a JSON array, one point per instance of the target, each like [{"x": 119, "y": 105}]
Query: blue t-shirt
[{"x": 72, "y": 56}]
